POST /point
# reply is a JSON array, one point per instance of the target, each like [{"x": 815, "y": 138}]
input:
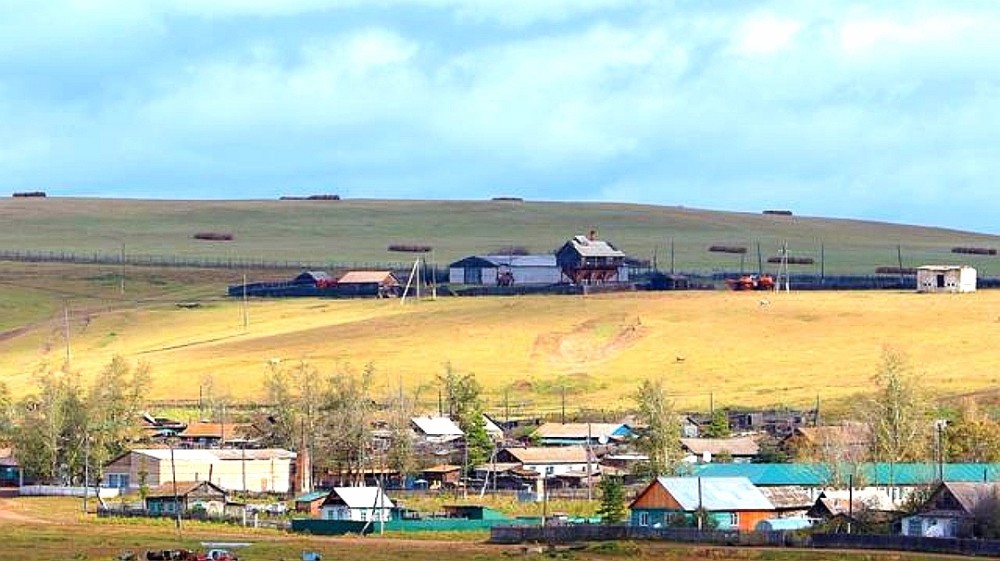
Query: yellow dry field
[{"x": 743, "y": 348}]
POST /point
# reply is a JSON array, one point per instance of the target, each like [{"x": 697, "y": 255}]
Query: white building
[
  {"x": 256, "y": 470},
  {"x": 548, "y": 461},
  {"x": 360, "y": 504},
  {"x": 946, "y": 278}
]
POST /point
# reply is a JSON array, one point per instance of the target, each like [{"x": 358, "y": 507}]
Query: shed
[
  {"x": 443, "y": 475},
  {"x": 946, "y": 278},
  {"x": 380, "y": 284},
  {"x": 588, "y": 260},
  {"x": 505, "y": 270},
  {"x": 10, "y": 469},
  {"x": 319, "y": 279},
  {"x": 309, "y": 503},
  {"x": 733, "y": 502},
  {"x": 741, "y": 448},
  {"x": 547, "y": 461}
]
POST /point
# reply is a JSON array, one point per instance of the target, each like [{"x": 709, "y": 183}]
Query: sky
[{"x": 875, "y": 110}]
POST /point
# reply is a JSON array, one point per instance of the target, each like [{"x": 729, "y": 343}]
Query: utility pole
[
  {"x": 86, "y": 467},
  {"x": 671, "y": 256},
  {"x": 121, "y": 286},
  {"x": 590, "y": 452},
  {"x": 246, "y": 316},
  {"x": 173, "y": 476},
  {"x": 434, "y": 282}
]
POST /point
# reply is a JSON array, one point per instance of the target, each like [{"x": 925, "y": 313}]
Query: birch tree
[{"x": 660, "y": 437}]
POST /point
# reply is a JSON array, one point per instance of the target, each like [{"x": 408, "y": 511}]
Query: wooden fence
[{"x": 583, "y": 533}]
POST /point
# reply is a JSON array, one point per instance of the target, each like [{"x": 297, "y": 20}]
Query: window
[
  {"x": 549, "y": 470},
  {"x": 914, "y": 527},
  {"x": 118, "y": 480},
  {"x": 734, "y": 519},
  {"x": 643, "y": 518}
]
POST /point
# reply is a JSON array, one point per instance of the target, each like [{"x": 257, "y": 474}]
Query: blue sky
[{"x": 885, "y": 111}]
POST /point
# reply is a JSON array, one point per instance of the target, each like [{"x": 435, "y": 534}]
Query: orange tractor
[{"x": 751, "y": 282}]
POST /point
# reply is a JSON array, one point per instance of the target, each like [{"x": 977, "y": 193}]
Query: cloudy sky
[{"x": 881, "y": 110}]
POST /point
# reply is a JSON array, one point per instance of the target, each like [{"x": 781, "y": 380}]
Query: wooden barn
[
  {"x": 380, "y": 284},
  {"x": 588, "y": 260},
  {"x": 732, "y": 502},
  {"x": 946, "y": 278},
  {"x": 505, "y": 270}
]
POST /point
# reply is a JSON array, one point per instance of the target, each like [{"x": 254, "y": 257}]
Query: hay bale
[
  {"x": 895, "y": 271},
  {"x": 509, "y": 199},
  {"x": 24, "y": 194},
  {"x": 974, "y": 250},
  {"x": 511, "y": 250},
  {"x": 778, "y": 212},
  {"x": 728, "y": 249},
  {"x": 309, "y": 198},
  {"x": 792, "y": 260},
  {"x": 409, "y": 248},
  {"x": 213, "y": 236}
]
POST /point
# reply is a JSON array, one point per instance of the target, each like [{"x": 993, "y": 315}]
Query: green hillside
[{"x": 359, "y": 231}]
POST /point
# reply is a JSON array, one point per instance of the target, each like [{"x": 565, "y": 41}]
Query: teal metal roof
[
  {"x": 812, "y": 475},
  {"x": 310, "y": 497}
]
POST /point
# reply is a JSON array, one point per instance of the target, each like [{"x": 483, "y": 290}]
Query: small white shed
[{"x": 946, "y": 278}]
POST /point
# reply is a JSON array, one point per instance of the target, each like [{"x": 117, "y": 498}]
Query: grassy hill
[
  {"x": 799, "y": 347},
  {"x": 359, "y": 231}
]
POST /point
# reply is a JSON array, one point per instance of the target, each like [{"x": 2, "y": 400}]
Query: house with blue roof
[{"x": 733, "y": 503}]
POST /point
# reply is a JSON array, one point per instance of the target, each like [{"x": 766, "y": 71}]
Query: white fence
[{"x": 61, "y": 491}]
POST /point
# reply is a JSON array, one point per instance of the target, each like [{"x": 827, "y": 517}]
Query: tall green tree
[
  {"x": 973, "y": 437},
  {"x": 660, "y": 436},
  {"x": 50, "y": 428},
  {"x": 898, "y": 413},
  {"x": 718, "y": 427},
  {"x": 612, "y": 509},
  {"x": 116, "y": 400},
  {"x": 344, "y": 435},
  {"x": 463, "y": 397},
  {"x": 6, "y": 415}
]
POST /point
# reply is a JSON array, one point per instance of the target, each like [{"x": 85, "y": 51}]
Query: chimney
[{"x": 593, "y": 235}]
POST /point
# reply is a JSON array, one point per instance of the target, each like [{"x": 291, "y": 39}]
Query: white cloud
[{"x": 765, "y": 34}]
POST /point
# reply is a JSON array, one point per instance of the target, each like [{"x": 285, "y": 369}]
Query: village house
[
  {"x": 360, "y": 504},
  {"x": 859, "y": 510},
  {"x": 733, "y": 503},
  {"x": 789, "y": 502},
  {"x": 588, "y": 260},
  {"x": 190, "y": 497},
  {"x": 10, "y": 469},
  {"x": 547, "y": 461},
  {"x": 505, "y": 270},
  {"x": 848, "y": 441},
  {"x": 253, "y": 470},
  {"x": 436, "y": 430},
  {"x": 581, "y": 434},
  {"x": 740, "y": 449},
  {"x": 946, "y": 278},
  {"x": 953, "y": 510},
  {"x": 442, "y": 476},
  {"x": 205, "y": 434}
]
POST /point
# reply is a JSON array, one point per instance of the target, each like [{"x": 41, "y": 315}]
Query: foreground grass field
[
  {"x": 527, "y": 350},
  {"x": 45, "y": 529},
  {"x": 359, "y": 231}
]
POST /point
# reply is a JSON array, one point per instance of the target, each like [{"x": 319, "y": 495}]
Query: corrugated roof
[
  {"x": 738, "y": 446},
  {"x": 368, "y": 277},
  {"x": 310, "y": 497},
  {"x": 873, "y": 474},
  {"x": 970, "y": 495},
  {"x": 594, "y": 248},
  {"x": 437, "y": 426},
  {"x": 183, "y": 488},
  {"x": 521, "y": 260},
  {"x": 788, "y": 497},
  {"x": 552, "y": 455},
  {"x": 363, "y": 497},
  {"x": 579, "y": 430},
  {"x": 211, "y": 455},
  {"x": 442, "y": 468},
  {"x": 716, "y": 493}
]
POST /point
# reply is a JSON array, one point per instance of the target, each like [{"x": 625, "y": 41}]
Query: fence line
[
  {"x": 67, "y": 491},
  {"x": 149, "y": 260}
]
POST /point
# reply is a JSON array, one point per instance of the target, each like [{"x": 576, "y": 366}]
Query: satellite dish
[{"x": 603, "y": 439}]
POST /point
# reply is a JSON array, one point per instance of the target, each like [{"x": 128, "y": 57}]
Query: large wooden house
[{"x": 588, "y": 260}]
